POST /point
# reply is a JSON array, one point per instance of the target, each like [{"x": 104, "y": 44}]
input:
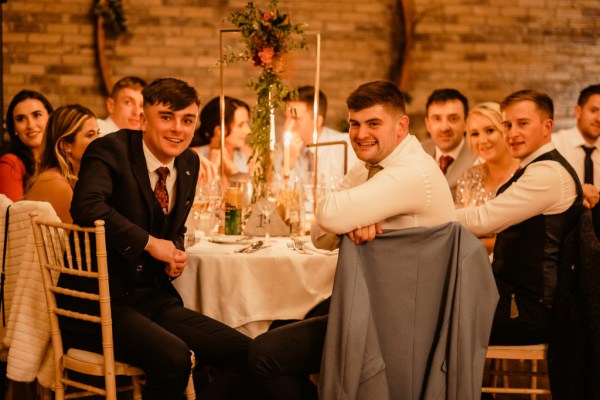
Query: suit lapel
[
  {"x": 140, "y": 171},
  {"x": 184, "y": 194},
  {"x": 464, "y": 160}
]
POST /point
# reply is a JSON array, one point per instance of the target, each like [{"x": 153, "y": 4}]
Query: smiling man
[
  {"x": 531, "y": 215},
  {"x": 394, "y": 185},
  {"x": 125, "y": 105},
  {"x": 142, "y": 184},
  {"x": 446, "y": 112}
]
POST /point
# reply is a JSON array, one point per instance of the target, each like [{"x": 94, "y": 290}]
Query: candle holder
[{"x": 316, "y": 169}]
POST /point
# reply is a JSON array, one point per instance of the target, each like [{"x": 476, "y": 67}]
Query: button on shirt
[{"x": 153, "y": 164}]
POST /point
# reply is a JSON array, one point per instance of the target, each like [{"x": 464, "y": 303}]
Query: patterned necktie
[
  {"x": 160, "y": 190},
  {"x": 445, "y": 162},
  {"x": 588, "y": 165},
  {"x": 373, "y": 169}
]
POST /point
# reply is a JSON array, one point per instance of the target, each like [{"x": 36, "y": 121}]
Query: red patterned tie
[
  {"x": 445, "y": 162},
  {"x": 160, "y": 190}
]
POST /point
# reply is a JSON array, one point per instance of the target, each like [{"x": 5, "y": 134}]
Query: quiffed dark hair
[
  {"x": 586, "y": 93},
  {"x": 173, "y": 92},
  {"x": 444, "y": 95},
  {"x": 376, "y": 93}
]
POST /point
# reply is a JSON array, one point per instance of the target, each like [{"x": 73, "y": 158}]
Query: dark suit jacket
[
  {"x": 114, "y": 186},
  {"x": 463, "y": 162}
]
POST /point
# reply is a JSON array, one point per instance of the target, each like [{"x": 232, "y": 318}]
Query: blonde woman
[
  {"x": 479, "y": 183},
  {"x": 69, "y": 131}
]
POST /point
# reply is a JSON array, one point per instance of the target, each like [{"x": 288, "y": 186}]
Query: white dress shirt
[
  {"x": 410, "y": 191},
  {"x": 454, "y": 153},
  {"x": 545, "y": 187},
  {"x": 568, "y": 142},
  {"x": 107, "y": 126},
  {"x": 153, "y": 164}
]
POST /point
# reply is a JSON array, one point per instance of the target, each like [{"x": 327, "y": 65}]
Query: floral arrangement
[{"x": 268, "y": 36}]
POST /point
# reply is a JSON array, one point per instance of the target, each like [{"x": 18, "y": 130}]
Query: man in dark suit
[
  {"x": 446, "y": 114},
  {"x": 142, "y": 184}
]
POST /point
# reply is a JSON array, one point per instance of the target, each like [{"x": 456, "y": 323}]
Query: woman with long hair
[
  {"x": 26, "y": 119},
  {"x": 69, "y": 131},
  {"x": 237, "y": 128}
]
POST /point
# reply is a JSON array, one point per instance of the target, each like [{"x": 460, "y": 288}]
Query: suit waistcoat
[{"x": 527, "y": 255}]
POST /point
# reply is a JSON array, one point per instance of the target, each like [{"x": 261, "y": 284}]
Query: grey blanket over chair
[{"x": 410, "y": 317}]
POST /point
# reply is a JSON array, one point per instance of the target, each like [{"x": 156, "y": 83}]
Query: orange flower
[{"x": 266, "y": 56}]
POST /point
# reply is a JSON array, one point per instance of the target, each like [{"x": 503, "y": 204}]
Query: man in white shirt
[
  {"x": 581, "y": 147},
  {"x": 446, "y": 113},
  {"x": 531, "y": 215},
  {"x": 395, "y": 185},
  {"x": 300, "y": 121},
  {"x": 125, "y": 105}
]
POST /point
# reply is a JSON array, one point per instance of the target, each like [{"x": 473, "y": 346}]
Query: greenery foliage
[
  {"x": 268, "y": 36},
  {"x": 113, "y": 14}
]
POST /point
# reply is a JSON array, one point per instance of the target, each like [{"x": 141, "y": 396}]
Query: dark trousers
[
  {"x": 282, "y": 359},
  {"x": 532, "y": 326},
  {"x": 157, "y": 335}
]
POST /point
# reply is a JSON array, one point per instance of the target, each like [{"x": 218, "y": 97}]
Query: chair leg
[
  {"x": 505, "y": 377},
  {"x": 137, "y": 388},
  {"x": 533, "y": 383}
]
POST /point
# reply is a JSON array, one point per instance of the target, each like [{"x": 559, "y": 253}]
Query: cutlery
[
  {"x": 252, "y": 246},
  {"x": 297, "y": 246}
]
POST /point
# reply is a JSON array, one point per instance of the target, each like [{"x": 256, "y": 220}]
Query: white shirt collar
[
  {"x": 544, "y": 149},
  {"x": 152, "y": 162},
  {"x": 454, "y": 153}
]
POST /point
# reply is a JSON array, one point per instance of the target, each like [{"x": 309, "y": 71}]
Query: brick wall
[{"x": 485, "y": 48}]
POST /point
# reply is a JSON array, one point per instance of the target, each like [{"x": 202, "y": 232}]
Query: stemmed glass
[{"x": 268, "y": 203}]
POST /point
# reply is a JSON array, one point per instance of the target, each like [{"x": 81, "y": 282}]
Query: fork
[{"x": 296, "y": 246}]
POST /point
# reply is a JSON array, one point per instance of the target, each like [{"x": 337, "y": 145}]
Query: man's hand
[
  {"x": 208, "y": 170},
  {"x": 175, "y": 268},
  {"x": 590, "y": 195},
  {"x": 361, "y": 235},
  {"x": 165, "y": 250}
]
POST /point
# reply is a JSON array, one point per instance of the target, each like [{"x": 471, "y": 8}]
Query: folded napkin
[
  {"x": 311, "y": 247},
  {"x": 206, "y": 247}
]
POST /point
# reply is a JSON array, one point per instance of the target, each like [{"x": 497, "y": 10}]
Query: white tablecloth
[{"x": 248, "y": 291}]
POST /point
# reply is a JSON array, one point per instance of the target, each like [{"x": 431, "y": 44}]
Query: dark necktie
[
  {"x": 445, "y": 162},
  {"x": 373, "y": 169},
  {"x": 588, "y": 165},
  {"x": 160, "y": 190}
]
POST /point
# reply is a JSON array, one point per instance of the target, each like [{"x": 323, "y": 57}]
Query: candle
[
  {"x": 287, "y": 140},
  {"x": 272, "y": 124}
]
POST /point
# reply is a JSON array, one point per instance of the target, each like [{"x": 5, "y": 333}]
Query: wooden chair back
[
  {"x": 70, "y": 249},
  {"x": 499, "y": 355}
]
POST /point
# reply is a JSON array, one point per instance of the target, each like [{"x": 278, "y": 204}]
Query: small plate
[{"x": 231, "y": 239}]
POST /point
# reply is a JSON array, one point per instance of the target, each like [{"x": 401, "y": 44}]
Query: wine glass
[{"x": 268, "y": 203}]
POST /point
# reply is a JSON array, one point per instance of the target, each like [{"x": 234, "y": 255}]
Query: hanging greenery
[
  {"x": 113, "y": 14},
  {"x": 268, "y": 36}
]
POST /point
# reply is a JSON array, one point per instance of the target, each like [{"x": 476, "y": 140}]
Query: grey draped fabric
[{"x": 410, "y": 317}]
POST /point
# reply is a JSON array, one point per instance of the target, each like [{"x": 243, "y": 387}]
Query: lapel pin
[{"x": 187, "y": 173}]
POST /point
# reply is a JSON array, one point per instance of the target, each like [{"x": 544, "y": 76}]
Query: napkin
[
  {"x": 311, "y": 247},
  {"x": 205, "y": 247}
]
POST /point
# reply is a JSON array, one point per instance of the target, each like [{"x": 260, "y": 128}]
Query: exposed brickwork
[{"x": 485, "y": 48}]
